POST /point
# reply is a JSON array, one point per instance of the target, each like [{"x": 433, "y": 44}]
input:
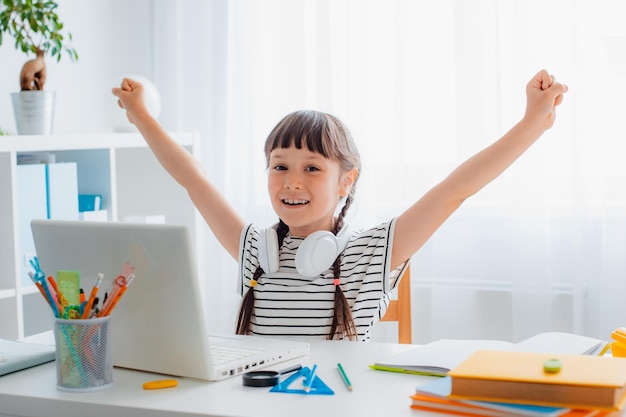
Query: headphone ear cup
[
  {"x": 268, "y": 250},
  {"x": 317, "y": 253}
]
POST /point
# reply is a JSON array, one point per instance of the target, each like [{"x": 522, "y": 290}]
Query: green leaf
[{"x": 30, "y": 21}]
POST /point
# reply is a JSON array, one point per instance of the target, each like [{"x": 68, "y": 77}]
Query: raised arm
[
  {"x": 417, "y": 224},
  {"x": 183, "y": 167}
]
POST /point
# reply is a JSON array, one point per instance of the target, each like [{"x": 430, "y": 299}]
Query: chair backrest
[{"x": 400, "y": 310}]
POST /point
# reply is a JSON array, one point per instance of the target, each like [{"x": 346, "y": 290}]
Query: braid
[
  {"x": 343, "y": 323},
  {"x": 281, "y": 230},
  {"x": 247, "y": 303}
]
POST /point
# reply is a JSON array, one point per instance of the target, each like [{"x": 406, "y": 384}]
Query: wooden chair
[{"x": 400, "y": 310}]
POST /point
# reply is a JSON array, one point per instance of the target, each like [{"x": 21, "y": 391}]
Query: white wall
[
  {"x": 102, "y": 37},
  {"x": 144, "y": 37}
]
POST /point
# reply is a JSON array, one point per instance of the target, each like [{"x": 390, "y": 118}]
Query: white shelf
[
  {"x": 41, "y": 143},
  {"x": 118, "y": 166}
]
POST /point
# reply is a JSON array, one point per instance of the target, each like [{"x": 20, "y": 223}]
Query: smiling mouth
[{"x": 295, "y": 202}]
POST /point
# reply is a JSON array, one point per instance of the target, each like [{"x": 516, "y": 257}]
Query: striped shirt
[{"x": 289, "y": 304}]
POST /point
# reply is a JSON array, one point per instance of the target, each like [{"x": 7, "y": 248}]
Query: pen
[
  {"x": 94, "y": 308},
  {"x": 309, "y": 381},
  {"x": 344, "y": 377},
  {"x": 118, "y": 283},
  {"x": 92, "y": 296},
  {"x": 114, "y": 300}
]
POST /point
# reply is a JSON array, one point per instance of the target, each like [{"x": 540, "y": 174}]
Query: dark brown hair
[{"x": 328, "y": 136}]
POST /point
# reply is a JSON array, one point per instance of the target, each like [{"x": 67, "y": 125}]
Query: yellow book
[{"x": 579, "y": 381}]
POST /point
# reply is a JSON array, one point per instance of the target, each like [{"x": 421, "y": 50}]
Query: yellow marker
[{"x": 161, "y": 383}]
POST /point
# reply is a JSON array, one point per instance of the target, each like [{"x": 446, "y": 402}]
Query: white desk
[{"x": 33, "y": 392}]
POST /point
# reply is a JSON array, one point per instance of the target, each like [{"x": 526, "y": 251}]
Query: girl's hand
[
  {"x": 543, "y": 94},
  {"x": 130, "y": 97}
]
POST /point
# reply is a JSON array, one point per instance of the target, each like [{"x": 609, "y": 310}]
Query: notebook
[
  {"x": 159, "y": 325},
  {"x": 17, "y": 355}
]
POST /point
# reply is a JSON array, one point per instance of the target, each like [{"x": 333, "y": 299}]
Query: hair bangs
[{"x": 301, "y": 129}]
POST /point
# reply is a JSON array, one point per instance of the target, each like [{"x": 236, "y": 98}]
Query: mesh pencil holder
[{"x": 84, "y": 356}]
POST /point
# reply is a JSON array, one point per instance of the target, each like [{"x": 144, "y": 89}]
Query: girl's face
[{"x": 305, "y": 188}]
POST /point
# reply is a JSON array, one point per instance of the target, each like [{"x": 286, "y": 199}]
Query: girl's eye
[
  {"x": 312, "y": 169},
  {"x": 280, "y": 167}
]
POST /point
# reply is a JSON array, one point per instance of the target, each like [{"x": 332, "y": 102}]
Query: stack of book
[
  {"x": 438, "y": 358},
  {"x": 509, "y": 383}
]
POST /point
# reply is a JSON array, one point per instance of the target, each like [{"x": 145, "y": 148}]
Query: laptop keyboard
[{"x": 223, "y": 354}]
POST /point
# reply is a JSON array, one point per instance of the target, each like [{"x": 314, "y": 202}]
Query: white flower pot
[{"x": 34, "y": 112}]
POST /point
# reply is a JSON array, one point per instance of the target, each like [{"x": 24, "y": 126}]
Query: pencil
[
  {"x": 344, "y": 377},
  {"x": 57, "y": 313},
  {"x": 309, "y": 381},
  {"x": 43, "y": 292},
  {"x": 605, "y": 349},
  {"x": 53, "y": 283}
]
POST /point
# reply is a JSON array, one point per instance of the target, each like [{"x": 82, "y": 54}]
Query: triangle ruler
[{"x": 294, "y": 384}]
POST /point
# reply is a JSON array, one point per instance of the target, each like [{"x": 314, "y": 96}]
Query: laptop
[{"x": 159, "y": 324}]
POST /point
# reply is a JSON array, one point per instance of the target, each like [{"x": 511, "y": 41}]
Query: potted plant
[{"x": 35, "y": 26}]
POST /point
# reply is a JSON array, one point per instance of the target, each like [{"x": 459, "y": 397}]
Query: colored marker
[
  {"x": 344, "y": 377},
  {"x": 309, "y": 381}
]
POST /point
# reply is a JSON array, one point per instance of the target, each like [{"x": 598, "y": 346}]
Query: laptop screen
[{"x": 159, "y": 324}]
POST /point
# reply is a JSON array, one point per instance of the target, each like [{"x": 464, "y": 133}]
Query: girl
[{"x": 307, "y": 276}]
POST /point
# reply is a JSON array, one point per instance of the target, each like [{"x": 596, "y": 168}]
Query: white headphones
[{"x": 314, "y": 256}]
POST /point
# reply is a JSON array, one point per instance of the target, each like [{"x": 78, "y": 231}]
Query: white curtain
[{"x": 423, "y": 85}]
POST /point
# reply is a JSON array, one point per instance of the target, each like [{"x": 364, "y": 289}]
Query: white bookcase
[{"x": 118, "y": 166}]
